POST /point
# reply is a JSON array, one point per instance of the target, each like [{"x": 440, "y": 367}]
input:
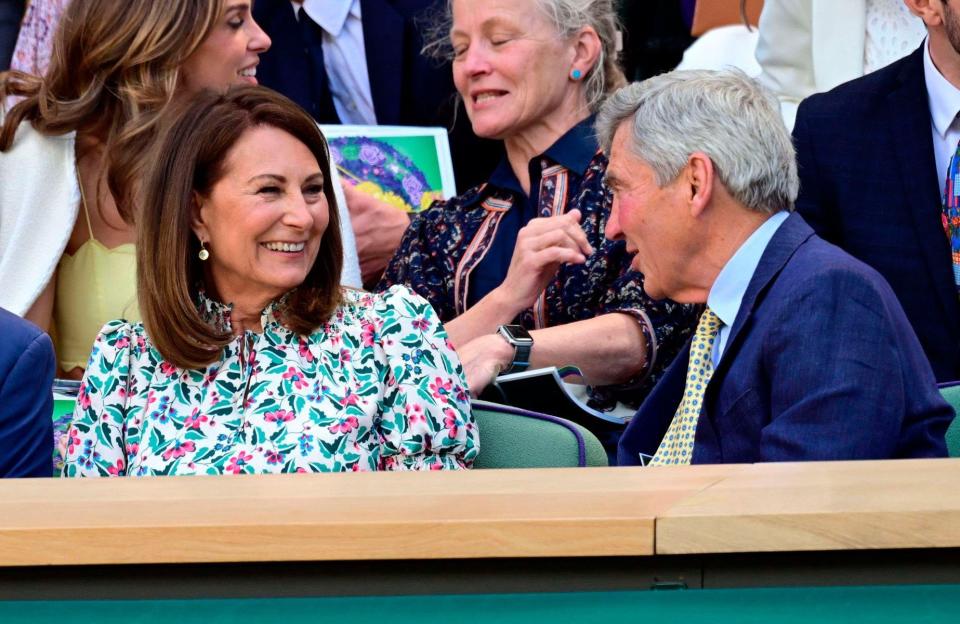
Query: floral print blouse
[{"x": 377, "y": 387}]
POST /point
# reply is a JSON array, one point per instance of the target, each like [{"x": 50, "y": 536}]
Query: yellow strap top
[{"x": 94, "y": 285}]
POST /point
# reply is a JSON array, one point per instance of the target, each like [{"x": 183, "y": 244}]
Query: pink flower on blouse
[
  {"x": 168, "y": 369},
  {"x": 73, "y": 440},
  {"x": 83, "y": 399},
  {"x": 345, "y": 426},
  {"x": 451, "y": 421},
  {"x": 116, "y": 468},
  {"x": 195, "y": 419},
  {"x": 344, "y": 355},
  {"x": 349, "y": 399},
  {"x": 368, "y": 333},
  {"x": 440, "y": 388},
  {"x": 280, "y": 416},
  {"x": 179, "y": 449},
  {"x": 123, "y": 343},
  {"x": 296, "y": 377},
  {"x": 304, "y": 350},
  {"x": 238, "y": 461},
  {"x": 415, "y": 413},
  {"x": 274, "y": 457},
  {"x": 421, "y": 323}
]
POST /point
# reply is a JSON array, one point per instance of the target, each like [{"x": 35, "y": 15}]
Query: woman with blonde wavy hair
[{"x": 73, "y": 152}]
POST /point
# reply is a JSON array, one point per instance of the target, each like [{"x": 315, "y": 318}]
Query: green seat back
[
  {"x": 515, "y": 438},
  {"x": 951, "y": 393}
]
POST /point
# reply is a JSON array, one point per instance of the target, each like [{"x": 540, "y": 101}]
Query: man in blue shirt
[
  {"x": 802, "y": 352},
  {"x": 26, "y": 399}
]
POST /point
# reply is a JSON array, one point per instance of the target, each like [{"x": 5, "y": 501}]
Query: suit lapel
[
  {"x": 908, "y": 119},
  {"x": 791, "y": 234},
  {"x": 383, "y": 32}
]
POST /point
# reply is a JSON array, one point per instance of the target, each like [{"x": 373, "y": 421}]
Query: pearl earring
[{"x": 204, "y": 254}]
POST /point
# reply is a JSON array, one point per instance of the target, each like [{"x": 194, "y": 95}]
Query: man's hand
[
  {"x": 378, "y": 228},
  {"x": 484, "y": 358},
  {"x": 542, "y": 246}
]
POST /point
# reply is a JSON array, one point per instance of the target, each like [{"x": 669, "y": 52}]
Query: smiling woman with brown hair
[
  {"x": 251, "y": 358},
  {"x": 73, "y": 151}
]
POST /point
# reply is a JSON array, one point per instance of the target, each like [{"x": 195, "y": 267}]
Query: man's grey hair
[{"x": 724, "y": 114}]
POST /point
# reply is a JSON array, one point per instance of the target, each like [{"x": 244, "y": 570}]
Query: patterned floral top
[
  {"x": 377, "y": 387},
  {"x": 446, "y": 243}
]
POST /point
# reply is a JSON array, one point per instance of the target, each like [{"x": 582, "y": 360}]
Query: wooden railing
[{"x": 481, "y": 514}]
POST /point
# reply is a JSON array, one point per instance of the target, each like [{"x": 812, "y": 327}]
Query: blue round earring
[{"x": 576, "y": 74}]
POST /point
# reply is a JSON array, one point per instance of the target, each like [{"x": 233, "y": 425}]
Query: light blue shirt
[
  {"x": 728, "y": 290},
  {"x": 344, "y": 58}
]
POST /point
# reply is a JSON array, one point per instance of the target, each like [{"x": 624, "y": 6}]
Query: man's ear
[
  {"x": 197, "y": 223},
  {"x": 699, "y": 176},
  {"x": 930, "y": 11},
  {"x": 587, "y": 47}
]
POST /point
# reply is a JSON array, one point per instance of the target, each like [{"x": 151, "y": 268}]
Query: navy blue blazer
[
  {"x": 407, "y": 88},
  {"x": 820, "y": 364},
  {"x": 26, "y": 401},
  {"x": 869, "y": 184}
]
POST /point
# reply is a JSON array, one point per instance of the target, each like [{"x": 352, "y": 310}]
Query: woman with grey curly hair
[{"x": 525, "y": 252}]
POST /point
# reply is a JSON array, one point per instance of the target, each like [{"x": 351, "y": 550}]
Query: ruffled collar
[{"x": 218, "y": 314}]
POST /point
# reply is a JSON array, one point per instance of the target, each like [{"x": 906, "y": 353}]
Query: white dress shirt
[
  {"x": 344, "y": 57},
  {"x": 944, "y": 101}
]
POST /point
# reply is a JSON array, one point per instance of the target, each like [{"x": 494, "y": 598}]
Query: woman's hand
[
  {"x": 542, "y": 246},
  {"x": 483, "y": 358},
  {"x": 377, "y": 227}
]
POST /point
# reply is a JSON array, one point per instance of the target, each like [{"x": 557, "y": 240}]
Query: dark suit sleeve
[
  {"x": 843, "y": 380},
  {"x": 26, "y": 408},
  {"x": 811, "y": 202}
]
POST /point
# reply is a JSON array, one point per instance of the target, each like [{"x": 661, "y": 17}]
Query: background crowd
[{"x": 170, "y": 230}]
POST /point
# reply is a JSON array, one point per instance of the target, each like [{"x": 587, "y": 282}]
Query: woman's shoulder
[
  {"x": 29, "y": 141},
  {"x": 122, "y": 335},
  {"x": 362, "y": 305},
  {"x": 39, "y": 159}
]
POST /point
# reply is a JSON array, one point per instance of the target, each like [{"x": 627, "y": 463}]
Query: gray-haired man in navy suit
[{"x": 802, "y": 352}]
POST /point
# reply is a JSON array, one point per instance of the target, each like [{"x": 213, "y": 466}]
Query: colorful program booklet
[{"x": 409, "y": 167}]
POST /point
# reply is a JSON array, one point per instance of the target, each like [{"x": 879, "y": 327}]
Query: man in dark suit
[
  {"x": 802, "y": 352},
  {"x": 873, "y": 156},
  {"x": 26, "y": 399}
]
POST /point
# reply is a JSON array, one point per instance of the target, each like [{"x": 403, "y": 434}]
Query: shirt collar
[
  {"x": 942, "y": 97},
  {"x": 218, "y": 314},
  {"x": 731, "y": 284},
  {"x": 574, "y": 151},
  {"x": 331, "y": 15}
]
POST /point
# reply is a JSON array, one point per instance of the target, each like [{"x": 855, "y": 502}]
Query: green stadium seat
[
  {"x": 515, "y": 438},
  {"x": 951, "y": 392}
]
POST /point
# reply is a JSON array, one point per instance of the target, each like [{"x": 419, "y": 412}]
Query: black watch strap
[{"x": 521, "y": 359}]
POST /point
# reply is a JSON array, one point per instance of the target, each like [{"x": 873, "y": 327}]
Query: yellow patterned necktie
[{"x": 677, "y": 445}]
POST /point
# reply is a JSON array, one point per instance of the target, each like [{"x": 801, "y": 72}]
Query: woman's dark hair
[{"x": 189, "y": 161}]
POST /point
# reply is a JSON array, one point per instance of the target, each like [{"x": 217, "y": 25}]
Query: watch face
[{"x": 517, "y": 334}]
